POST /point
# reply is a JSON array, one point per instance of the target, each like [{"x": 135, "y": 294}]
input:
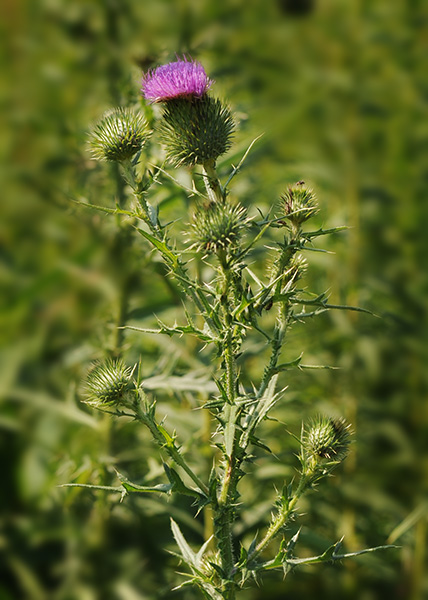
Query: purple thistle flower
[{"x": 175, "y": 80}]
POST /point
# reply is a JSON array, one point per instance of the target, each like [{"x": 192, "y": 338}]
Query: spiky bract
[
  {"x": 299, "y": 203},
  {"x": 297, "y": 267},
  {"x": 108, "y": 383},
  {"x": 196, "y": 130},
  {"x": 119, "y": 135},
  {"x": 176, "y": 79},
  {"x": 217, "y": 227}
]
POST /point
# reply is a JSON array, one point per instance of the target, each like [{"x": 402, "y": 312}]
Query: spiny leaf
[
  {"x": 230, "y": 428},
  {"x": 176, "y": 329},
  {"x": 331, "y": 554},
  {"x": 177, "y": 484},
  {"x": 241, "y": 162},
  {"x": 309, "y": 235},
  {"x": 166, "y": 252},
  {"x": 187, "y": 553}
]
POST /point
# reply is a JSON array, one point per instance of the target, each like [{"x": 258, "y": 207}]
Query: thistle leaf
[{"x": 187, "y": 553}]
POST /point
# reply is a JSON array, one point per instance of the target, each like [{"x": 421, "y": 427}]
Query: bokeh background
[{"x": 340, "y": 91}]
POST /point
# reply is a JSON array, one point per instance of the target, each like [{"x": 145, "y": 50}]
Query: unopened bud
[
  {"x": 299, "y": 203},
  {"x": 108, "y": 383},
  {"x": 325, "y": 443},
  {"x": 217, "y": 227},
  {"x": 195, "y": 130},
  {"x": 119, "y": 135}
]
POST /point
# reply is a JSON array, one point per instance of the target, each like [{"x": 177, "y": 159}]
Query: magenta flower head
[{"x": 176, "y": 80}]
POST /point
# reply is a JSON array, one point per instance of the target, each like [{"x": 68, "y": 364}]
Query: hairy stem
[
  {"x": 280, "y": 520},
  {"x": 213, "y": 186},
  {"x": 166, "y": 442},
  {"x": 225, "y": 508}
]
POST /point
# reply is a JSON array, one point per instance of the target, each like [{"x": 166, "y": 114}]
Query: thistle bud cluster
[{"x": 108, "y": 384}]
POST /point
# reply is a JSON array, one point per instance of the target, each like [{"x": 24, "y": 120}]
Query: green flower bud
[
  {"x": 119, "y": 135},
  {"x": 217, "y": 227},
  {"x": 325, "y": 443},
  {"x": 299, "y": 203},
  {"x": 195, "y": 130},
  {"x": 108, "y": 383},
  {"x": 328, "y": 438}
]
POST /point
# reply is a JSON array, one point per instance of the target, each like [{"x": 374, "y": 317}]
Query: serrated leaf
[
  {"x": 162, "y": 488},
  {"x": 177, "y": 484},
  {"x": 309, "y": 235},
  {"x": 186, "y": 552},
  {"x": 260, "y": 411},
  {"x": 331, "y": 554},
  {"x": 169, "y": 256},
  {"x": 230, "y": 428},
  {"x": 292, "y": 543},
  {"x": 201, "y": 552}
]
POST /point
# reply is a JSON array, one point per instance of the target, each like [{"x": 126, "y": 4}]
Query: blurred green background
[{"x": 340, "y": 91}]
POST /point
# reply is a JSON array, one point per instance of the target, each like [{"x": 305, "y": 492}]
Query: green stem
[
  {"x": 224, "y": 510},
  {"x": 280, "y": 521},
  {"x": 178, "y": 270},
  {"x": 283, "y": 312},
  {"x": 213, "y": 186},
  {"x": 166, "y": 442}
]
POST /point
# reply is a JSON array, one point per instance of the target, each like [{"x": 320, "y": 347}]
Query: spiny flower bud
[
  {"x": 183, "y": 78},
  {"x": 217, "y": 227},
  {"x": 108, "y": 383},
  {"x": 299, "y": 203},
  {"x": 325, "y": 444},
  {"x": 196, "y": 130},
  {"x": 328, "y": 438},
  {"x": 119, "y": 135}
]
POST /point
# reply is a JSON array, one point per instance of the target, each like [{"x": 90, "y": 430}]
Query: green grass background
[{"x": 340, "y": 90}]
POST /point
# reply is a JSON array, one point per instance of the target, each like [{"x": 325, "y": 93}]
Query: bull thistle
[{"x": 231, "y": 294}]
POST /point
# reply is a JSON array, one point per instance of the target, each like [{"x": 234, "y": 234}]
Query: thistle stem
[
  {"x": 279, "y": 521},
  {"x": 224, "y": 510},
  {"x": 167, "y": 443},
  {"x": 179, "y": 270},
  {"x": 213, "y": 185},
  {"x": 283, "y": 312}
]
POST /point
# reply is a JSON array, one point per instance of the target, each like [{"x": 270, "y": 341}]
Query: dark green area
[{"x": 339, "y": 90}]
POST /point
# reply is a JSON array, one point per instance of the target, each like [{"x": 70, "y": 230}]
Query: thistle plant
[{"x": 228, "y": 293}]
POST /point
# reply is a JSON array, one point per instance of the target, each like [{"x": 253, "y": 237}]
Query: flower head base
[
  {"x": 196, "y": 131},
  {"x": 108, "y": 383},
  {"x": 177, "y": 79},
  {"x": 299, "y": 203},
  {"x": 119, "y": 135},
  {"x": 217, "y": 227}
]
